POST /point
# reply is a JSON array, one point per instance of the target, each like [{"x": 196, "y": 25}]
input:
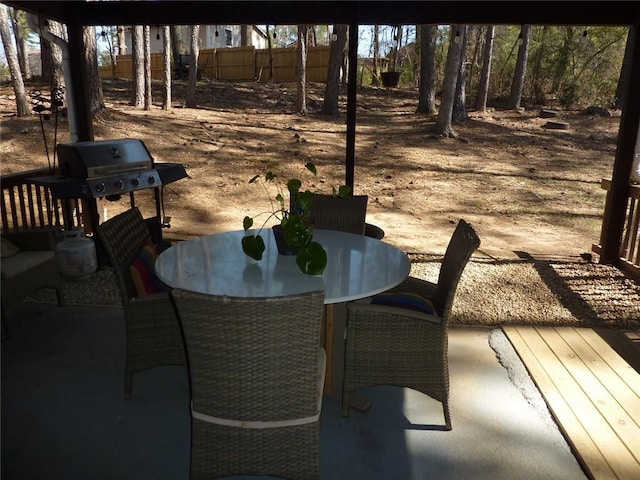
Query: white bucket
[{"x": 77, "y": 257}]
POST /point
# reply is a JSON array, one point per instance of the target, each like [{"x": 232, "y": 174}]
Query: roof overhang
[{"x": 171, "y": 12}]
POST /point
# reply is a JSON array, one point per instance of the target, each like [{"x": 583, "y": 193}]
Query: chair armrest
[
  {"x": 31, "y": 239},
  {"x": 359, "y": 308}
]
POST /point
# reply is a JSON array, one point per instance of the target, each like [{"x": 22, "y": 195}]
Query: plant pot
[
  {"x": 283, "y": 248},
  {"x": 390, "y": 79}
]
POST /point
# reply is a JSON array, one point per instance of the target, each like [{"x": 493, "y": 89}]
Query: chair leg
[
  {"x": 345, "y": 404},
  {"x": 447, "y": 415},
  {"x": 60, "y": 297},
  {"x": 5, "y": 324},
  {"x": 128, "y": 381}
]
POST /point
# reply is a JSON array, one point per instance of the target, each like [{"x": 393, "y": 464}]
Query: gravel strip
[
  {"x": 492, "y": 292},
  {"x": 542, "y": 291}
]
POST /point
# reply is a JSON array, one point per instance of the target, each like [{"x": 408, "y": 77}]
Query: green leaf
[
  {"x": 312, "y": 259},
  {"x": 344, "y": 191},
  {"x": 296, "y": 232},
  {"x": 254, "y": 178},
  {"x": 311, "y": 167},
  {"x": 269, "y": 176},
  {"x": 304, "y": 201},
  {"x": 247, "y": 223},
  {"x": 253, "y": 246},
  {"x": 293, "y": 185}
]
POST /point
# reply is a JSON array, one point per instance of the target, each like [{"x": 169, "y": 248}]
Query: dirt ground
[
  {"x": 524, "y": 187},
  {"x": 532, "y": 193}
]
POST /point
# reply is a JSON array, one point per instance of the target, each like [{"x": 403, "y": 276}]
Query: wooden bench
[{"x": 592, "y": 392}]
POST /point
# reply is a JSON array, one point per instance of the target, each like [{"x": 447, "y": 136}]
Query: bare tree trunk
[
  {"x": 344, "y": 71},
  {"x": 485, "y": 75},
  {"x": 91, "y": 59},
  {"x": 270, "y": 48},
  {"x": 166, "y": 44},
  {"x": 521, "y": 68},
  {"x": 443, "y": 122},
  {"x": 301, "y": 99},
  {"x": 538, "y": 73},
  {"x": 246, "y": 39},
  {"x": 20, "y": 34},
  {"x": 45, "y": 59},
  {"x": 137, "y": 47},
  {"x": 56, "y": 73},
  {"x": 22, "y": 105},
  {"x": 459, "y": 102},
  {"x": 148, "y": 101},
  {"x": 109, "y": 37},
  {"x": 332, "y": 88},
  {"x": 193, "y": 67},
  {"x": 313, "y": 37},
  {"x": 375, "y": 78},
  {"x": 563, "y": 60},
  {"x": 396, "y": 46},
  {"x": 177, "y": 44},
  {"x": 122, "y": 44},
  {"x": 426, "y": 89}
]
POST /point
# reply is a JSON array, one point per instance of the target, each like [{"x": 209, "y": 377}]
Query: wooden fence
[
  {"x": 237, "y": 64},
  {"x": 630, "y": 245}
]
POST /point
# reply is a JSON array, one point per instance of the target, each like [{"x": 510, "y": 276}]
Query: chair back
[
  {"x": 122, "y": 237},
  {"x": 346, "y": 214},
  {"x": 252, "y": 359},
  {"x": 463, "y": 243}
]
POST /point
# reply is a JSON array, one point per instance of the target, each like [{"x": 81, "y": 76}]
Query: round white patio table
[{"x": 357, "y": 267}]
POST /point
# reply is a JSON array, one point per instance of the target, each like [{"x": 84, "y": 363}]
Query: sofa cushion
[
  {"x": 142, "y": 273},
  {"x": 7, "y": 248},
  {"x": 24, "y": 261}
]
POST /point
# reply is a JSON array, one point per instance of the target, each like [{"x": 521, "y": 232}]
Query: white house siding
[{"x": 208, "y": 38}]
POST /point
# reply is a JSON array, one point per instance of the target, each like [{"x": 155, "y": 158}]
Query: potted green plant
[{"x": 293, "y": 232}]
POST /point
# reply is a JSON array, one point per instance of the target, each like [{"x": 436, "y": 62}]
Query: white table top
[{"x": 357, "y": 267}]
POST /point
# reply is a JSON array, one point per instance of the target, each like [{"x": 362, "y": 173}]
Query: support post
[
  {"x": 617, "y": 196},
  {"x": 351, "y": 106}
]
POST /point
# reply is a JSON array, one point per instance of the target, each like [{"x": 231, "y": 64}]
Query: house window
[{"x": 227, "y": 37}]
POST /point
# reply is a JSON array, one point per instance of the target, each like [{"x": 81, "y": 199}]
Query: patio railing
[
  {"x": 630, "y": 245},
  {"x": 26, "y": 206}
]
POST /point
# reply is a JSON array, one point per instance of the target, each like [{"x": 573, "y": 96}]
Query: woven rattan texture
[
  {"x": 394, "y": 346},
  {"x": 122, "y": 237},
  {"x": 337, "y": 213},
  {"x": 153, "y": 332},
  {"x": 253, "y": 360}
]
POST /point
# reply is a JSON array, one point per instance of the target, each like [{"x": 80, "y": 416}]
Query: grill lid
[{"x": 102, "y": 158}]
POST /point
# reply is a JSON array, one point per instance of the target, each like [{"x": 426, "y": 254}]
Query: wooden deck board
[{"x": 591, "y": 391}]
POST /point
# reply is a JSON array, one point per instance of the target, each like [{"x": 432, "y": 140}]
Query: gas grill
[{"x": 109, "y": 167}]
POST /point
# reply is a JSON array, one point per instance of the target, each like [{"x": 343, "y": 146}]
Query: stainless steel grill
[
  {"x": 109, "y": 167},
  {"x": 106, "y": 169}
]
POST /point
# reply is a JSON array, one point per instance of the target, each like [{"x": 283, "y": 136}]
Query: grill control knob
[
  {"x": 118, "y": 184},
  {"x": 100, "y": 187},
  {"x": 135, "y": 182},
  {"x": 152, "y": 180}
]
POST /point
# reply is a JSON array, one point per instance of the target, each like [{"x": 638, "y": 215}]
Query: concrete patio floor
[{"x": 64, "y": 415}]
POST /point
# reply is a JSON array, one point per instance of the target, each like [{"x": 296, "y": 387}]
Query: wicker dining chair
[
  {"x": 153, "y": 333},
  {"x": 346, "y": 214},
  {"x": 400, "y": 337},
  {"x": 257, "y": 375}
]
